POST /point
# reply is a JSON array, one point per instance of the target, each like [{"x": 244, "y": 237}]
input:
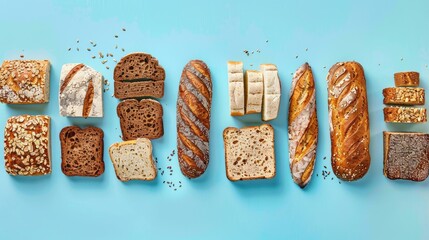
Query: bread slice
[
  {"x": 124, "y": 90},
  {"x": 405, "y": 115},
  {"x": 236, "y": 88},
  {"x": 404, "y": 96},
  {"x": 140, "y": 119},
  {"x": 254, "y": 89},
  {"x": 407, "y": 79},
  {"x": 406, "y": 155},
  {"x": 133, "y": 160},
  {"x": 138, "y": 66},
  {"x": 82, "y": 151},
  {"x": 272, "y": 92},
  {"x": 249, "y": 152}
]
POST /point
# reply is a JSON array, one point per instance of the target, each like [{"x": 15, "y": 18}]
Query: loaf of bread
[
  {"x": 272, "y": 92},
  {"x": 27, "y": 150},
  {"x": 404, "y": 96},
  {"x": 193, "y": 118},
  {"x": 138, "y": 75},
  {"x": 405, "y": 115},
  {"x": 236, "y": 88},
  {"x": 406, "y": 155},
  {"x": 133, "y": 160},
  {"x": 24, "y": 81},
  {"x": 407, "y": 79},
  {"x": 249, "y": 153},
  {"x": 81, "y": 91},
  {"x": 254, "y": 90},
  {"x": 303, "y": 125},
  {"x": 349, "y": 121}
]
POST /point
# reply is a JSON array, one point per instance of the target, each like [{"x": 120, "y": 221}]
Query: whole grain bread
[
  {"x": 404, "y": 96},
  {"x": 140, "y": 119},
  {"x": 82, "y": 151},
  {"x": 138, "y": 66},
  {"x": 405, "y": 115},
  {"x": 124, "y": 90}
]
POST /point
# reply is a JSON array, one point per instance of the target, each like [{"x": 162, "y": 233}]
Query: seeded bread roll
[
  {"x": 272, "y": 92},
  {"x": 405, "y": 115},
  {"x": 24, "y": 81},
  {"x": 193, "y": 118},
  {"x": 404, "y": 96},
  {"x": 406, "y": 155},
  {"x": 407, "y": 79},
  {"x": 349, "y": 121},
  {"x": 254, "y": 90},
  {"x": 236, "y": 88},
  {"x": 303, "y": 125}
]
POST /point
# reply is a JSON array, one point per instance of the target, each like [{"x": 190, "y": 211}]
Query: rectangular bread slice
[
  {"x": 249, "y": 153},
  {"x": 404, "y": 96},
  {"x": 124, "y": 89},
  {"x": 272, "y": 92},
  {"x": 406, "y": 155},
  {"x": 254, "y": 86},
  {"x": 405, "y": 115},
  {"x": 133, "y": 160},
  {"x": 236, "y": 88},
  {"x": 407, "y": 79}
]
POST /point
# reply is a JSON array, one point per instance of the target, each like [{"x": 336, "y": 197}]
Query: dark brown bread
[
  {"x": 349, "y": 121},
  {"x": 140, "y": 119},
  {"x": 407, "y": 79},
  {"x": 406, "y": 155},
  {"x": 138, "y": 66},
  {"x": 82, "y": 151},
  {"x": 193, "y": 118},
  {"x": 124, "y": 90}
]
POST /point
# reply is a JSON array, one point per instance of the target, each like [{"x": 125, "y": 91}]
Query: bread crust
[
  {"x": 407, "y": 79},
  {"x": 302, "y": 126},
  {"x": 193, "y": 118},
  {"x": 349, "y": 121}
]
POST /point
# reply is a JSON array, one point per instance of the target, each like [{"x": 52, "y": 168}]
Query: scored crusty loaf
[
  {"x": 236, "y": 88},
  {"x": 133, "y": 160},
  {"x": 303, "y": 125},
  {"x": 124, "y": 90},
  {"x": 407, "y": 79},
  {"x": 27, "y": 148},
  {"x": 404, "y": 96},
  {"x": 349, "y": 121},
  {"x": 272, "y": 92},
  {"x": 82, "y": 151},
  {"x": 193, "y": 118},
  {"x": 24, "y": 81},
  {"x": 406, "y": 155},
  {"x": 138, "y": 66},
  {"x": 140, "y": 119},
  {"x": 254, "y": 87},
  {"x": 81, "y": 92},
  {"x": 249, "y": 153},
  {"x": 405, "y": 115}
]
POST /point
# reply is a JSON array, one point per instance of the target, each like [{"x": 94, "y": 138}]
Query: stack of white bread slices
[{"x": 254, "y": 91}]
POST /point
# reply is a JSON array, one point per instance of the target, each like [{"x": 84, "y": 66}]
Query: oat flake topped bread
[
  {"x": 349, "y": 120},
  {"x": 24, "y": 81},
  {"x": 27, "y": 145}
]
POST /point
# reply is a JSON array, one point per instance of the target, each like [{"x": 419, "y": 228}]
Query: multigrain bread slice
[
  {"x": 406, "y": 155},
  {"x": 82, "y": 151},
  {"x": 407, "y": 79},
  {"x": 254, "y": 90},
  {"x": 249, "y": 153},
  {"x": 404, "y": 96},
  {"x": 124, "y": 90},
  {"x": 272, "y": 92},
  {"x": 133, "y": 160},
  {"x": 140, "y": 119},
  {"x": 405, "y": 115},
  {"x": 236, "y": 88}
]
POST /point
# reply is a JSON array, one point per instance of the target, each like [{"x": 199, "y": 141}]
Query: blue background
[{"x": 384, "y": 36}]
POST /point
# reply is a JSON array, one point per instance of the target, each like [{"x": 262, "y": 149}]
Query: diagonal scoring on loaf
[
  {"x": 70, "y": 76},
  {"x": 89, "y": 97}
]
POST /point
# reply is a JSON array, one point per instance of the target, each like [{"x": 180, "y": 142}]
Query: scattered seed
[
  {"x": 296, "y": 56},
  {"x": 107, "y": 67},
  {"x": 91, "y": 42},
  {"x": 69, "y": 49},
  {"x": 93, "y": 57},
  {"x": 116, "y": 36},
  {"x": 306, "y": 49},
  {"x": 116, "y": 46},
  {"x": 89, "y": 49},
  {"x": 104, "y": 61},
  {"x": 77, "y": 40},
  {"x": 123, "y": 29},
  {"x": 123, "y": 50},
  {"x": 21, "y": 56},
  {"x": 266, "y": 40},
  {"x": 77, "y": 49}
]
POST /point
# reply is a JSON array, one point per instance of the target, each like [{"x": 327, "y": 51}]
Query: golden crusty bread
[
  {"x": 405, "y": 115},
  {"x": 404, "y": 96},
  {"x": 349, "y": 121},
  {"x": 407, "y": 79}
]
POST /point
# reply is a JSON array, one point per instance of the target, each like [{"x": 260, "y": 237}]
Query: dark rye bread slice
[
  {"x": 406, "y": 155},
  {"x": 138, "y": 66},
  {"x": 82, "y": 151},
  {"x": 140, "y": 119},
  {"x": 124, "y": 90}
]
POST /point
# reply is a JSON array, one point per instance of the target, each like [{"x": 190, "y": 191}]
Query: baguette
[
  {"x": 407, "y": 79},
  {"x": 405, "y": 115},
  {"x": 404, "y": 96},
  {"x": 349, "y": 120}
]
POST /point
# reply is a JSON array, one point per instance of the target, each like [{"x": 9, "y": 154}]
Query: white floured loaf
[
  {"x": 272, "y": 92},
  {"x": 254, "y": 86},
  {"x": 236, "y": 88}
]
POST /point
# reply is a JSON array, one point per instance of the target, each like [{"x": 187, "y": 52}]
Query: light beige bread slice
[
  {"x": 236, "y": 88},
  {"x": 272, "y": 92},
  {"x": 407, "y": 79},
  {"x": 404, "y": 96},
  {"x": 133, "y": 160},
  {"x": 249, "y": 153},
  {"x": 254, "y": 90},
  {"x": 405, "y": 115}
]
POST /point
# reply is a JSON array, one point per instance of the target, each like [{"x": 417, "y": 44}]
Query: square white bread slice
[
  {"x": 254, "y": 86},
  {"x": 81, "y": 91},
  {"x": 133, "y": 160},
  {"x": 249, "y": 153},
  {"x": 236, "y": 88},
  {"x": 272, "y": 92}
]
